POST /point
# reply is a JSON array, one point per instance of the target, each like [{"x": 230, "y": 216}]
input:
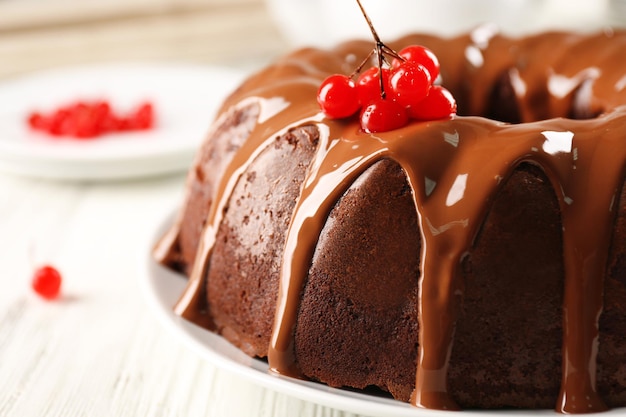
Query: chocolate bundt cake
[{"x": 474, "y": 262}]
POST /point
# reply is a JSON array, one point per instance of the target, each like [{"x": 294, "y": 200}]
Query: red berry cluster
[
  {"x": 389, "y": 96},
  {"x": 86, "y": 120},
  {"x": 47, "y": 282}
]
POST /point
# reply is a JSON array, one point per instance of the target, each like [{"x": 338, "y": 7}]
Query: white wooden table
[{"x": 99, "y": 350}]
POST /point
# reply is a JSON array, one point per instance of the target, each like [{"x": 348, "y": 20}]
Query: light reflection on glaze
[
  {"x": 561, "y": 85},
  {"x": 457, "y": 190},
  {"x": 558, "y": 142}
]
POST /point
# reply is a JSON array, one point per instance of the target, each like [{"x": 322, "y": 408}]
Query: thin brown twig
[
  {"x": 362, "y": 64},
  {"x": 380, "y": 50}
]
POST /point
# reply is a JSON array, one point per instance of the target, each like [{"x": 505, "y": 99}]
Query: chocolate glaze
[{"x": 454, "y": 168}]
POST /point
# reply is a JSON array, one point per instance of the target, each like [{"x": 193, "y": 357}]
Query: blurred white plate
[
  {"x": 162, "y": 288},
  {"x": 185, "y": 99}
]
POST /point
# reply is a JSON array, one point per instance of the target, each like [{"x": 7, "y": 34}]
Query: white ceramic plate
[
  {"x": 185, "y": 98},
  {"x": 162, "y": 287}
]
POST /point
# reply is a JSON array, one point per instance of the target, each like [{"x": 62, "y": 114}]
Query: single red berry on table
[
  {"x": 438, "y": 104},
  {"x": 383, "y": 116},
  {"x": 47, "y": 282},
  {"x": 410, "y": 83},
  {"x": 337, "y": 97},
  {"x": 421, "y": 55},
  {"x": 368, "y": 85}
]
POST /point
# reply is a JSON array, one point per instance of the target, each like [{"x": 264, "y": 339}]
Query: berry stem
[
  {"x": 362, "y": 64},
  {"x": 381, "y": 59},
  {"x": 381, "y": 49},
  {"x": 369, "y": 23}
]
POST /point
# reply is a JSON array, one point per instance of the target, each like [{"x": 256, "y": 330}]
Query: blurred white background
[
  {"x": 37, "y": 34},
  {"x": 324, "y": 22}
]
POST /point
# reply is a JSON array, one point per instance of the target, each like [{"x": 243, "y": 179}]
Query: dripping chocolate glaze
[{"x": 550, "y": 76}]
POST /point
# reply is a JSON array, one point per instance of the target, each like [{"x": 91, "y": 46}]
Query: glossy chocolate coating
[{"x": 561, "y": 157}]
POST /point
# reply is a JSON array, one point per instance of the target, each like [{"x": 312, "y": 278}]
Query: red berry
[
  {"x": 123, "y": 124},
  {"x": 83, "y": 122},
  {"x": 99, "y": 116},
  {"x": 410, "y": 83},
  {"x": 47, "y": 282},
  {"x": 438, "y": 104},
  {"x": 38, "y": 121},
  {"x": 102, "y": 114},
  {"x": 368, "y": 85},
  {"x": 337, "y": 97},
  {"x": 421, "y": 55},
  {"x": 143, "y": 117},
  {"x": 60, "y": 123},
  {"x": 383, "y": 115},
  {"x": 85, "y": 129}
]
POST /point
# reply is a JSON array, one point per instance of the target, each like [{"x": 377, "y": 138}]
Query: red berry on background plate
[
  {"x": 143, "y": 117},
  {"x": 87, "y": 120},
  {"x": 83, "y": 122},
  {"x": 420, "y": 55},
  {"x": 368, "y": 85},
  {"x": 337, "y": 97},
  {"x": 438, "y": 104},
  {"x": 410, "y": 83},
  {"x": 37, "y": 120},
  {"x": 47, "y": 282},
  {"x": 59, "y": 123},
  {"x": 383, "y": 115}
]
